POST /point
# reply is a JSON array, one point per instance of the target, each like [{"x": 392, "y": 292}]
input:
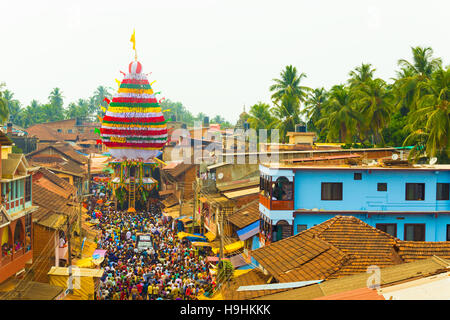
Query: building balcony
[
  {"x": 13, "y": 263},
  {"x": 5, "y": 260},
  {"x": 276, "y": 204}
]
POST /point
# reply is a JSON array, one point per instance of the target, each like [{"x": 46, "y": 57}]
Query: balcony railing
[
  {"x": 19, "y": 253},
  {"x": 6, "y": 259}
]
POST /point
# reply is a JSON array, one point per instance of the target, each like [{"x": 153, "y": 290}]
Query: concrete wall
[{"x": 435, "y": 228}]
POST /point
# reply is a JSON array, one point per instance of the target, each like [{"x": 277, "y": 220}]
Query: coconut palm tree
[
  {"x": 423, "y": 62},
  {"x": 430, "y": 123},
  {"x": 289, "y": 83},
  {"x": 361, "y": 74},
  {"x": 314, "y": 106},
  {"x": 4, "y": 111},
  {"x": 13, "y": 105},
  {"x": 413, "y": 73},
  {"x": 259, "y": 116},
  {"x": 374, "y": 100},
  {"x": 56, "y": 98},
  {"x": 286, "y": 114},
  {"x": 340, "y": 118},
  {"x": 97, "y": 99}
]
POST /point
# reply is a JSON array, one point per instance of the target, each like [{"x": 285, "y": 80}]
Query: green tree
[
  {"x": 374, "y": 101},
  {"x": 286, "y": 114},
  {"x": 314, "y": 108},
  {"x": 430, "y": 123},
  {"x": 289, "y": 83},
  {"x": 361, "y": 75},
  {"x": 77, "y": 110},
  {"x": 13, "y": 105},
  {"x": 97, "y": 99},
  {"x": 412, "y": 74},
  {"x": 340, "y": 118},
  {"x": 4, "y": 112},
  {"x": 54, "y": 109},
  {"x": 260, "y": 116}
]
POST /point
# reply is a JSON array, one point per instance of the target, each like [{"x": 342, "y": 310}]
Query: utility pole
[
  {"x": 181, "y": 198},
  {"x": 219, "y": 211},
  {"x": 80, "y": 224},
  {"x": 194, "y": 187},
  {"x": 70, "y": 254},
  {"x": 89, "y": 173}
]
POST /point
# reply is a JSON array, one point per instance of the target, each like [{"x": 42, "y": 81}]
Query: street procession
[{"x": 223, "y": 158}]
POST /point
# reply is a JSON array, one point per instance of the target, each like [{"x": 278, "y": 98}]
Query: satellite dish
[
  {"x": 433, "y": 160},
  {"x": 373, "y": 163},
  {"x": 220, "y": 176},
  {"x": 394, "y": 156}
]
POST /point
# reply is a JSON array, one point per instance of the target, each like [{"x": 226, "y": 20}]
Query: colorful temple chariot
[{"x": 134, "y": 130}]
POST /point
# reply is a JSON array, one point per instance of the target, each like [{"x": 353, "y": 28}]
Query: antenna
[
  {"x": 433, "y": 160},
  {"x": 394, "y": 156}
]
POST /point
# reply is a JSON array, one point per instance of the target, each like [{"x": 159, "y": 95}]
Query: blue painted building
[{"x": 411, "y": 203}]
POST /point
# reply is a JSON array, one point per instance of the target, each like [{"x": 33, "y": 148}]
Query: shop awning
[
  {"x": 230, "y": 248},
  {"x": 210, "y": 236},
  {"x": 190, "y": 236},
  {"x": 239, "y": 260},
  {"x": 201, "y": 244},
  {"x": 249, "y": 231}
]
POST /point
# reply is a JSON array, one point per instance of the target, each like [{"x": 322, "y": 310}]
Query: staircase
[{"x": 132, "y": 193}]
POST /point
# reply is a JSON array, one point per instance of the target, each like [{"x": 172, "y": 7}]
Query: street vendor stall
[{"x": 85, "y": 280}]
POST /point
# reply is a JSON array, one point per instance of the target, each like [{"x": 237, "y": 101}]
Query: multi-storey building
[
  {"x": 408, "y": 202},
  {"x": 16, "y": 211}
]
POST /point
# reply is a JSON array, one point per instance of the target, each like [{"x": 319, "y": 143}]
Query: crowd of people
[{"x": 170, "y": 269}]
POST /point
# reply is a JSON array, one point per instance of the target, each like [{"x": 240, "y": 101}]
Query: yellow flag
[
  {"x": 167, "y": 110},
  {"x": 133, "y": 39},
  {"x": 118, "y": 83},
  {"x": 153, "y": 82}
]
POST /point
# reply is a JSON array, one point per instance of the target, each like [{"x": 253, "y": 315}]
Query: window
[
  {"x": 357, "y": 176},
  {"x": 442, "y": 191},
  {"x": 28, "y": 189},
  {"x": 448, "y": 232},
  {"x": 282, "y": 189},
  {"x": 69, "y": 131},
  {"x": 390, "y": 228},
  {"x": 415, "y": 232},
  {"x": 59, "y": 130},
  {"x": 382, "y": 186},
  {"x": 415, "y": 191},
  {"x": 301, "y": 227},
  {"x": 80, "y": 130},
  {"x": 331, "y": 191}
]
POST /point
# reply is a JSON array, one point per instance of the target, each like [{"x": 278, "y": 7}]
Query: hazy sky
[{"x": 213, "y": 56}]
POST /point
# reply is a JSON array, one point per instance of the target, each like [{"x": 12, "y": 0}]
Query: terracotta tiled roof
[
  {"x": 43, "y": 133},
  {"x": 416, "y": 250},
  {"x": 340, "y": 246},
  {"x": 58, "y": 181},
  {"x": 64, "y": 149},
  {"x": 176, "y": 169},
  {"x": 253, "y": 277},
  {"x": 390, "y": 275},
  {"x": 246, "y": 215},
  {"x": 300, "y": 258},
  {"x": 50, "y": 201}
]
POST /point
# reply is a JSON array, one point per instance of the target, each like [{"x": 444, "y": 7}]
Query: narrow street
[{"x": 169, "y": 270}]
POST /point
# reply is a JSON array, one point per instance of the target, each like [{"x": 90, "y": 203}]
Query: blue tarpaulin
[{"x": 248, "y": 231}]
